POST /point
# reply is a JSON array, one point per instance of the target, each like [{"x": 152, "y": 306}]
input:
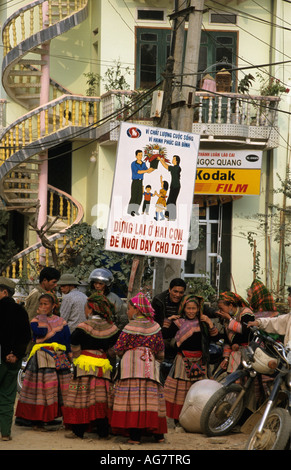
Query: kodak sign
[{"x": 228, "y": 173}]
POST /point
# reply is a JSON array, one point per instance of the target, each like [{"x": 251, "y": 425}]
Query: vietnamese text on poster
[{"x": 152, "y": 193}]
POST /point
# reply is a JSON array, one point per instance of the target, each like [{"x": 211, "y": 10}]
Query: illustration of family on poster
[{"x": 153, "y": 190}]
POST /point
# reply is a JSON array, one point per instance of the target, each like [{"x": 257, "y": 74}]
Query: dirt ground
[{"x": 53, "y": 438}]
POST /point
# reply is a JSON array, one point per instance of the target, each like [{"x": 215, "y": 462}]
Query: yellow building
[{"x": 57, "y": 140}]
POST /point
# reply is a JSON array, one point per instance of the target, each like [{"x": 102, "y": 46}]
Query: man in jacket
[
  {"x": 73, "y": 302},
  {"x": 48, "y": 279},
  {"x": 167, "y": 304},
  {"x": 15, "y": 334}
]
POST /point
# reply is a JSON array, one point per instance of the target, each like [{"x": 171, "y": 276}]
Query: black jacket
[
  {"x": 15, "y": 332},
  {"x": 159, "y": 306}
]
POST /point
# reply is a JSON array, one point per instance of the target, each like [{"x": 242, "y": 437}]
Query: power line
[
  {"x": 256, "y": 37},
  {"x": 99, "y": 123},
  {"x": 250, "y": 16},
  {"x": 235, "y": 69}
]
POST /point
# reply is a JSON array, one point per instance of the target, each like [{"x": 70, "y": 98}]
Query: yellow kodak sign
[{"x": 227, "y": 181}]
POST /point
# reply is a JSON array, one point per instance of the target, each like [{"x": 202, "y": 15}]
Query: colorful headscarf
[
  {"x": 190, "y": 298},
  {"x": 262, "y": 298},
  {"x": 233, "y": 298},
  {"x": 143, "y": 305},
  {"x": 101, "y": 305}
]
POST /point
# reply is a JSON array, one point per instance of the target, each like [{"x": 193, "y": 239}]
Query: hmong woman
[
  {"x": 89, "y": 401},
  {"x": 263, "y": 306},
  {"x": 48, "y": 373},
  {"x": 261, "y": 300},
  {"x": 236, "y": 313},
  {"x": 139, "y": 405},
  {"x": 193, "y": 331}
]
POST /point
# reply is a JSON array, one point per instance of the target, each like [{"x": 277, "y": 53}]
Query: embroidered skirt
[
  {"x": 138, "y": 403},
  {"x": 177, "y": 386},
  {"x": 43, "y": 392},
  {"x": 89, "y": 398}
]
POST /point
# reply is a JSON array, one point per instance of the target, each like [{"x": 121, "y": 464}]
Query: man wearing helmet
[{"x": 101, "y": 280}]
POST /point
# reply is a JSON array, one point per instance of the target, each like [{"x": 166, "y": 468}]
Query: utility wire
[
  {"x": 99, "y": 123},
  {"x": 249, "y": 15}
]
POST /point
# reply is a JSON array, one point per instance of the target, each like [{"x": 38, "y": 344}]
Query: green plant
[
  {"x": 256, "y": 254},
  {"x": 200, "y": 286},
  {"x": 271, "y": 87},
  {"x": 7, "y": 247},
  {"x": 245, "y": 83},
  {"x": 86, "y": 252},
  {"x": 114, "y": 79},
  {"x": 92, "y": 82}
]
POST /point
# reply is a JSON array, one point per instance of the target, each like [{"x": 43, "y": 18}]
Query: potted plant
[
  {"x": 270, "y": 87},
  {"x": 92, "y": 82},
  {"x": 243, "y": 88}
]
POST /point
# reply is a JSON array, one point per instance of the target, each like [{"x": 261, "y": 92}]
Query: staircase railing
[
  {"x": 23, "y": 34},
  {"x": 67, "y": 117},
  {"x": 21, "y": 143},
  {"x": 67, "y": 211}
]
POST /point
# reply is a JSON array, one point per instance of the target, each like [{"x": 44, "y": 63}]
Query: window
[
  {"x": 199, "y": 263},
  {"x": 154, "y": 45},
  {"x": 218, "y": 47},
  {"x": 222, "y": 17},
  {"x": 214, "y": 245},
  {"x": 150, "y": 15},
  {"x": 153, "y": 49}
]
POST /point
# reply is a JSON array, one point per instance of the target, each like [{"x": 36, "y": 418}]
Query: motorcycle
[
  {"x": 20, "y": 375},
  {"x": 229, "y": 404},
  {"x": 273, "y": 428}
]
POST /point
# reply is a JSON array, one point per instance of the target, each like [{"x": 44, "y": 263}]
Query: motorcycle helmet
[
  {"x": 101, "y": 275},
  {"x": 263, "y": 363}
]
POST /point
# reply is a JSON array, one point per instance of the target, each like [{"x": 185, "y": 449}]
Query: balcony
[
  {"x": 235, "y": 118},
  {"x": 219, "y": 118}
]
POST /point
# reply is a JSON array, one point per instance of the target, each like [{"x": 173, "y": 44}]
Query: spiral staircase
[{"x": 24, "y": 143}]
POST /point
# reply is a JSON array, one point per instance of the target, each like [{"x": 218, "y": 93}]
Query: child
[
  {"x": 147, "y": 199},
  {"x": 161, "y": 202}
]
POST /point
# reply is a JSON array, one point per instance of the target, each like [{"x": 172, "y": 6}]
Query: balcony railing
[{"x": 227, "y": 117}]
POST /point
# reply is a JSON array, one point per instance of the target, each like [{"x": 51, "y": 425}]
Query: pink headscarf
[{"x": 143, "y": 305}]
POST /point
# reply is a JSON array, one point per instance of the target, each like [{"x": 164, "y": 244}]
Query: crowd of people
[{"x": 96, "y": 365}]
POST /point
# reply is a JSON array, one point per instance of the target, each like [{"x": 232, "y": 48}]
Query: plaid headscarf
[
  {"x": 101, "y": 305},
  {"x": 190, "y": 298},
  {"x": 143, "y": 305},
  {"x": 262, "y": 298},
  {"x": 234, "y": 298}
]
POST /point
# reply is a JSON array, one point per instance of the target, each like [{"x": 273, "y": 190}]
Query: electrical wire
[
  {"x": 249, "y": 16},
  {"x": 108, "y": 118},
  {"x": 234, "y": 69}
]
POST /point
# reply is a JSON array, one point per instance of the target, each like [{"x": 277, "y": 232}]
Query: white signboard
[
  {"x": 235, "y": 159},
  {"x": 152, "y": 195}
]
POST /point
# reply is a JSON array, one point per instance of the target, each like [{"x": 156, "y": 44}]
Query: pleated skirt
[
  {"x": 140, "y": 404},
  {"x": 89, "y": 398},
  {"x": 43, "y": 393},
  {"x": 175, "y": 394}
]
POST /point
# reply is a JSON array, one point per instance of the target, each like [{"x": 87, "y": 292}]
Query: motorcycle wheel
[
  {"x": 214, "y": 420},
  {"x": 275, "y": 434}
]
